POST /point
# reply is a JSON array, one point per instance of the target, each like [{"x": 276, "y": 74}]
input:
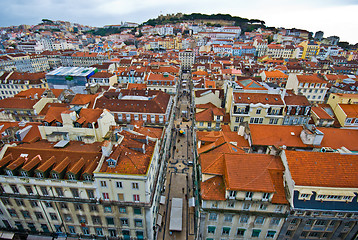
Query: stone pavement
[{"x": 179, "y": 182}]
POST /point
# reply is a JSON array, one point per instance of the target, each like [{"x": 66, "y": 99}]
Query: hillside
[{"x": 246, "y": 25}]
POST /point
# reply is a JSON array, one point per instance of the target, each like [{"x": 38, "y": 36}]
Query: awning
[
  {"x": 335, "y": 192},
  {"x": 162, "y": 199}
]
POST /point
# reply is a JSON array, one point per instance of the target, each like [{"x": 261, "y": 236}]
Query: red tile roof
[
  {"x": 18, "y": 103},
  {"x": 321, "y": 169},
  {"x": 253, "y": 98}
]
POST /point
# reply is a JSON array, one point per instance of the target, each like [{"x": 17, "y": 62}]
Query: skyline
[{"x": 327, "y": 16}]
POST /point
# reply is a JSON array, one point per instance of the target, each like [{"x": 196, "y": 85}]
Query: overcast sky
[{"x": 334, "y": 17}]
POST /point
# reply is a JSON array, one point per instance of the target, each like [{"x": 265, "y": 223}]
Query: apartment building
[
  {"x": 187, "y": 59},
  {"x": 256, "y": 108},
  {"x": 249, "y": 205},
  {"x": 105, "y": 190},
  {"x": 87, "y": 125},
  {"x": 164, "y": 82},
  {"x": 297, "y": 110},
  {"x": 11, "y": 83},
  {"x": 103, "y": 79},
  {"x": 312, "y": 87},
  {"x": 149, "y": 106},
  {"x": 209, "y": 117},
  {"x": 23, "y": 109},
  {"x": 322, "y": 192}
]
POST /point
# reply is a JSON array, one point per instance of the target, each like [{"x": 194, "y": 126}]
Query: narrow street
[{"x": 179, "y": 181}]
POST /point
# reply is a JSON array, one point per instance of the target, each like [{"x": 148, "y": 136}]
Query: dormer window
[
  {"x": 9, "y": 173},
  {"x": 40, "y": 175},
  {"x": 58, "y": 124},
  {"x": 249, "y": 195},
  {"x": 71, "y": 176},
  {"x": 111, "y": 162},
  {"x": 87, "y": 177},
  {"x": 232, "y": 194},
  {"x": 89, "y": 125},
  {"x": 55, "y": 175},
  {"x": 265, "y": 196},
  {"x": 46, "y": 123},
  {"x": 77, "y": 125},
  {"x": 24, "y": 174}
]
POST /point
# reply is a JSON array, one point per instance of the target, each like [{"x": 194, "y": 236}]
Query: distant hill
[{"x": 246, "y": 25}]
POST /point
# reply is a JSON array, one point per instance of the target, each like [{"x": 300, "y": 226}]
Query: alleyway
[{"x": 179, "y": 182}]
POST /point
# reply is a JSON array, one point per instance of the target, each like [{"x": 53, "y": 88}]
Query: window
[
  {"x": 82, "y": 219},
  {"x": 265, "y": 196},
  {"x": 70, "y": 175},
  {"x": 78, "y": 206},
  {"x": 96, "y": 220},
  {"x": 72, "y": 229},
  {"x": 275, "y": 221},
  {"x": 124, "y": 222},
  {"x": 99, "y": 231},
  {"x": 263, "y": 207},
  {"x": 44, "y": 191},
  {"x": 231, "y": 204},
  {"x": 12, "y": 212},
  {"x": 63, "y": 205},
  {"x": 256, "y": 233},
  {"x": 122, "y": 210},
  {"x": 246, "y": 206},
  {"x": 75, "y": 192},
  {"x": 112, "y": 232},
  {"x": 53, "y": 216},
  {"x": 211, "y": 229},
  {"x": 225, "y": 231},
  {"x": 213, "y": 216},
  {"x": 228, "y": 218},
  {"x": 93, "y": 208},
  {"x": 135, "y": 197},
  {"x": 135, "y": 186},
  {"x": 259, "y": 220},
  {"x": 85, "y": 230},
  {"x": 249, "y": 195},
  {"x": 105, "y": 196},
  {"x": 137, "y": 211},
  {"x": 19, "y": 202},
  {"x": 90, "y": 194},
  {"x": 258, "y": 111},
  {"x": 270, "y": 234},
  {"x": 68, "y": 218},
  {"x": 14, "y": 189},
  {"x": 59, "y": 192},
  {"x": 39, "y": 215},
  {"x": 120, "y": 197},
  {"x": 321, "y": 223},
  {"x": 107, "y": 209},
  {"x": 119, "y": 185},
  {"x": 244, "y": 219},
  {"x": 25, "y": 214},
  {"x": 138, "y": 223},
  {"x": 110, "y": 220},
  {"x": 103, "y": 184},
  {"x": 241, "y": 232},
  {"x": 232, "y": 194}
]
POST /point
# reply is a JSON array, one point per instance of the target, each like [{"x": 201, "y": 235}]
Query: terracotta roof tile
[
  {"x": 321, "y": 169},
  {"x": 253, "y": 98},
  {"x": 18, "y": 103},
  {"x": 213, "y": 189}
]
